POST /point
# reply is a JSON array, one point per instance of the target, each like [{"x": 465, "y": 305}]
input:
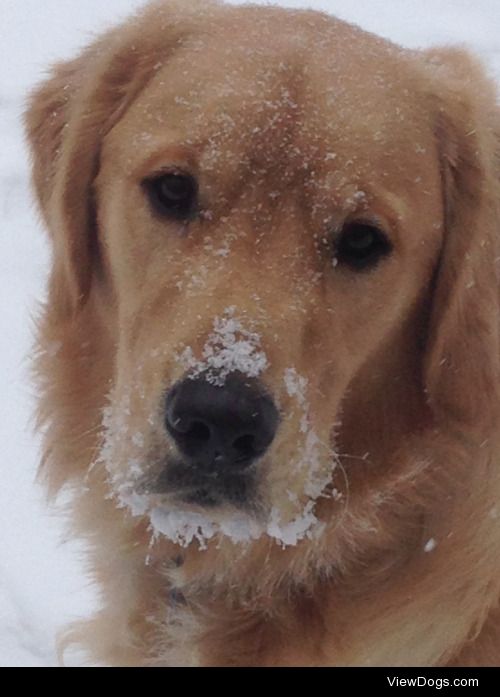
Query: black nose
[{"x": 221, "y": 428}]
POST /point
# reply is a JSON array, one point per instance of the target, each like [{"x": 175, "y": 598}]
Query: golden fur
[{"x": 292, "y": 122}]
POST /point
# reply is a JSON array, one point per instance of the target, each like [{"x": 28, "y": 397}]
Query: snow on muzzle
[
  {"x": 221, "y": 423},
  {"x": 220, "y": 417}
]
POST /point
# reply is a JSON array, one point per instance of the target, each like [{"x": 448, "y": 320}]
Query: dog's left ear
[{"x": 462, "y": 364}]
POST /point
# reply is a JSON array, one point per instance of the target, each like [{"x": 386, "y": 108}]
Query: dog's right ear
[
  {"x": 49, "y": 121},
  {"x": 66, "y": 120}
]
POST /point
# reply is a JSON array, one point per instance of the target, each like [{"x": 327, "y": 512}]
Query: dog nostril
[
  {"x": 245, "y": 446},
  {"x": 198, "y": 432}
]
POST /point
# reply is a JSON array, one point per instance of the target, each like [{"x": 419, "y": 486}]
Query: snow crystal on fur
[
  {"x": 184, "y": 527},
  {"x": 229, "y": 348},
  {"x": 310, "y": 455}
]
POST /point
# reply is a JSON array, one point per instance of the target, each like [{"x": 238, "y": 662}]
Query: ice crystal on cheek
[
  {"x": 430, "y": 545},
  {"x": 296, "y": 386},
  {"x": 122, "y": 454},
  {"x": 310, "y": 458}
]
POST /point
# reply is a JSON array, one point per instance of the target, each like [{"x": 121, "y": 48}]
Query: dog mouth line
[
  {"x": 186, "y": 509},
  {"x": 201, "y": 496},
  {"x": 179, "y": 481}
]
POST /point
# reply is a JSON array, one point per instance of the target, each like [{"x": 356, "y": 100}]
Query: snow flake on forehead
[{"x": 229, "y": 348}]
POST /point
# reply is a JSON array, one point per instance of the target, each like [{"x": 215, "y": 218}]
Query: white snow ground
[{"x": 42, "y": 581}]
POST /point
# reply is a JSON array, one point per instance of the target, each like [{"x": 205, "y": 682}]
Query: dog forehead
[
  {"x": 298, "y": 66},
  {"x": 297, "y": 89}
]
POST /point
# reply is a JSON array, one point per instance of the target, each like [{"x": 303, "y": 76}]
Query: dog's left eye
[
  {"x": 361, "y": 245},
  {"x": 173, "y": 195}
]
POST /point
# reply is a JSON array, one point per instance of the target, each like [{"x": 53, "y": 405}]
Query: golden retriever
[{"x": 269, "y": 361}]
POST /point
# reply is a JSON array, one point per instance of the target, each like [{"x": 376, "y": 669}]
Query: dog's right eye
[{"x": 173, "y": 195}]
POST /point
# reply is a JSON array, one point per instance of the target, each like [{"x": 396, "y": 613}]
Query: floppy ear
[
  {"x": 66, "y": 119},
  {"x": 462, "y": 367}
]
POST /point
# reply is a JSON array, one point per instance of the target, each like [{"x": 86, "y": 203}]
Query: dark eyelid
[
  {"x": 168, "y": 169},
  {"x": 369, "y": 220}
]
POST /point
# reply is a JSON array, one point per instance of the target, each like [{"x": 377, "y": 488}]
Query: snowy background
[{"x": 42, "y": 582}]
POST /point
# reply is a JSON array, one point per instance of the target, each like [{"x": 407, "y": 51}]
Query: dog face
[
  {"x": 261, "y": 258},
  {"x": 261, "y": 208}
]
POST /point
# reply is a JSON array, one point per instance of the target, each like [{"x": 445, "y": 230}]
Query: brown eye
[
  {"x": 361, "y": 245},
  {"x": 173, "y": 195}
]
